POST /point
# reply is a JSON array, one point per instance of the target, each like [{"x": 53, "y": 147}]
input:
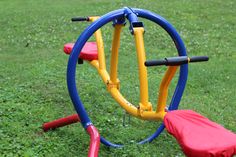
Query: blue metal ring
[{"x": 71, "y": 68}]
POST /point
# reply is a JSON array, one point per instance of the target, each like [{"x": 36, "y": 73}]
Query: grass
[{"x": 33, "y": 67}]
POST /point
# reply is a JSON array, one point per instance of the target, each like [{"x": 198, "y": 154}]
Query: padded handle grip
[
  {"x": 79, "y": 19},
  {"x": 174, "y": 61},
  {"x": 199, "y": 58}
]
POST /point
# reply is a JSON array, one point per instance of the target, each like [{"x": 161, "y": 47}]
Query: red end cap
[
  {"x": 198, "y": 136},
  {"x": 88, "y": 52}
]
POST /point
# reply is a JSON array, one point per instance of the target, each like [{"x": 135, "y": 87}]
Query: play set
[{"x": 197, "y": 135}]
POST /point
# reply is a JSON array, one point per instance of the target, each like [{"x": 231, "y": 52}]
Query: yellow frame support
[
  {"x": 100, "y": 46},
  {"x": 144, "y": 111},
  {"x": 163, "y": 91},
  {"x": 114, "y": 81},
  {"x": 144, "y": 104},
  {"x": 100, "y": 64}
]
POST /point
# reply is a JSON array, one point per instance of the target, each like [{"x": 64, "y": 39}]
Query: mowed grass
[{"x": 33, "y": 74}]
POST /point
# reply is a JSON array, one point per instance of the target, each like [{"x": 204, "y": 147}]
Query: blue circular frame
[{"x": 89, "y": 31}]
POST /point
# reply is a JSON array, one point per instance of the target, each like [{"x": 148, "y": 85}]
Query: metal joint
[
  {"x": 111, "y": 84},
  {"x": 133, "y": 19},
  {"x": 80, "y": 61},
  {"x": 135, "y": 25},
  {"x": 144, "y": 107},
  {"x": 120, "y": 21}
]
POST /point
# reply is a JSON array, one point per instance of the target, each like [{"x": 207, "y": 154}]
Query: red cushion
[
  {"x": 88, "y": 52},
  {"x": 198, "y": 136}
]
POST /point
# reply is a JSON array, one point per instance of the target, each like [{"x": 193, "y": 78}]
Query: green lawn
[{"x": 33, "y": 74}]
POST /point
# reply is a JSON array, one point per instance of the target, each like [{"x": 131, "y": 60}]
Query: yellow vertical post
[
  {"x": 163, "y": 91},
  {"x": 100, "y": 46},
  {"x": 114, "y": 54},
  {"x": 139, "y": 43}
]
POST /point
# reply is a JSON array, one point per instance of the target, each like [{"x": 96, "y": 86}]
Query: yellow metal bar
[
  {"x": 102, "y": 72},
  {"x": 114, "y": 54},
  {"x": 162, "y": 99},
  {"x": 138, "y": 35},
  {"x": 131, "y": 109},
  {"x": 145, "y": 110},
  {"x": 93, "y": 18},
  {"x": 100, "y": 46}
]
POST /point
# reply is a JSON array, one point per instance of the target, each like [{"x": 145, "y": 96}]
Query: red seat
[
  {"x": 198, "y": 136},
  {"x": 88, "y": 52}
]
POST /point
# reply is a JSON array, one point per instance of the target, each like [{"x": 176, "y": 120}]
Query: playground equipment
[{"x": 196, "y": 135}]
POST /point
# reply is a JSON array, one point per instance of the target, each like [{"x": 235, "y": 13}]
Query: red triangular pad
[
  {"x": 89, "y": 51},
  {"x": 198, "y": 136}
]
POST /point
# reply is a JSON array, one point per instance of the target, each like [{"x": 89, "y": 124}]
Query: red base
[
  {"x": 94, "y": 141},
  {"x": 92, "y": 131},
  {"x": 61, "y": 122}
]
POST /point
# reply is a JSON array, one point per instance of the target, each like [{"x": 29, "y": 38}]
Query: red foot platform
[
  {"x": 198, "y": 136},
  {"x": 89, "y": 51}
]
